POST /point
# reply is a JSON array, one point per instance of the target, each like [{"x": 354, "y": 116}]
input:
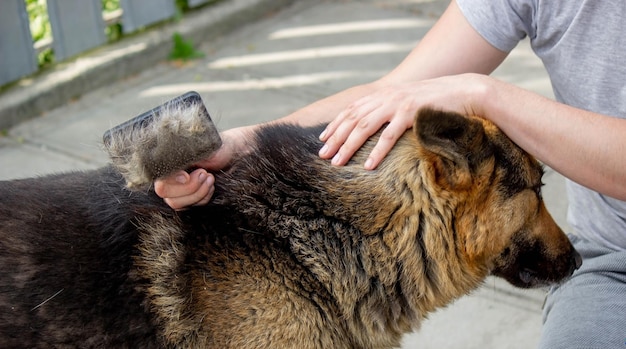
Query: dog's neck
[
  {"x": 319, "y": 210},
  {"x": 403, "y": 215}
]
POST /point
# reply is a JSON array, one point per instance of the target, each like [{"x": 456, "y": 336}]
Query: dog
[{"x": 291, "y": 252}]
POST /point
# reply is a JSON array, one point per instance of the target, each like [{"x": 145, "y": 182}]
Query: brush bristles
[{"x": 177, "y": 136}]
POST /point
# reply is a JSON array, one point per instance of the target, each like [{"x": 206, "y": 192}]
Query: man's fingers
[
  {"x": 202, "y": 191},
  {"x": 349, "y": 114},
  {"x": 350, "y": 130},
  {"x": 365, "y": 128},
  {"x": 335, "y": 135},
  {"x": 354, "y": 140},
  {"x": 207, "y": 197},
  {"x": 387, "y": 140},
  {"x": 168, "y": 186},
  {"x": 182, "y": 184}
]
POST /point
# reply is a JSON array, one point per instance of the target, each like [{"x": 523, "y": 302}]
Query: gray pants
[{"x": 589, "y": 310}]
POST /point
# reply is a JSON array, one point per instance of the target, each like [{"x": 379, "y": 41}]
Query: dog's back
[{"x": 66, "y": 255}]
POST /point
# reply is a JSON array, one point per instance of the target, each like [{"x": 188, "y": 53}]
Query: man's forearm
[
  {"x": 588, "y": 148},
  {"x": 326, "y": 109}
]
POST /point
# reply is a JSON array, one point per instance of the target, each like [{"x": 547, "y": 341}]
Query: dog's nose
[{"x": 577, "y": 260}]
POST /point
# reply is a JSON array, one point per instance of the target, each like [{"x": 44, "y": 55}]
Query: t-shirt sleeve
[{"x": 503, "y": 23}]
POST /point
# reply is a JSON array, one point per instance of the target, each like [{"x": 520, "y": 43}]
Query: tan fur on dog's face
[
  {"x": 502, "y": 224},
  {"x": 486, "y": 193},
  {"x": 454, "y": 201}
]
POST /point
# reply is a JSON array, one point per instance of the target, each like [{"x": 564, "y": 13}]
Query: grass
[{"x": 183, "y": 49}]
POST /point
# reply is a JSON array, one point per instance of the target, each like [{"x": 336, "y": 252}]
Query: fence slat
[
  {"x": 17, "y": 56},
  {"x": 77, "y": 26},
  {"x": 140, "y": 13}
]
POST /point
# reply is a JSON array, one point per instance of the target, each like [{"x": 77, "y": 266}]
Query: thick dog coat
[{"x": 290, "y": 253}]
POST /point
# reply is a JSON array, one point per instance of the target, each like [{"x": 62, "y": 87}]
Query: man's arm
[
  {"x": 586, "y": 147},
  {"x": 452, "y": 46}
]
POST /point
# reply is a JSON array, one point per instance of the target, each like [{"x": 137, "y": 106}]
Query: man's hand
[
  {"x": 396, "y": 105},
  {"x": 181, "y": 189}
]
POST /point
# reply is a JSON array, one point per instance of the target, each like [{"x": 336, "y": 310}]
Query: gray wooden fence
[{"x": 77, "y": 26}]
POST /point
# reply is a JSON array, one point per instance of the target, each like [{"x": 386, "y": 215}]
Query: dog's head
[{"x": 501, "y": 221}]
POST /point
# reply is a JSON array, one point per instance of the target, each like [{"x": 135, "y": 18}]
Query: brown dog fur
[{"x": 291, "y": 252}]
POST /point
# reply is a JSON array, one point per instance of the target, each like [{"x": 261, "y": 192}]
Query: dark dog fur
[{"x": 290, "y": 253}]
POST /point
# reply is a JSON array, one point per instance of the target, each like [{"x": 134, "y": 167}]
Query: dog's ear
[{"x": 459, "y": 145}]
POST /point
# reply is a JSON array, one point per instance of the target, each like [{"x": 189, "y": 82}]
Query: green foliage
[
  {"x": 41, "y": 30},
  {"x": 38, "y": 16},
  {"x": 114, "y": 31},
  {"x": 45, "y": 57},
  {"x": 183, "y": 49},
  {"x": 40, "y": 25},
  {"x": 110, "y": 5}
]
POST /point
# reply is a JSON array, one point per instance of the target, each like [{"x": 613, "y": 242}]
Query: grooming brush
[{"x": 161, "y": 141}]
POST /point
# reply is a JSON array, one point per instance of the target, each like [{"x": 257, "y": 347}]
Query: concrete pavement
[{"x": 266, "y": 69}]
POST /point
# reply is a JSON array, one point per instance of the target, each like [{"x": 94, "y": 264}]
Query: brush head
[{"x": 166, "y": 139}]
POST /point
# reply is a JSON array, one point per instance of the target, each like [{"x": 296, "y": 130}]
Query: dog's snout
[{"x": 577, "y": 260}]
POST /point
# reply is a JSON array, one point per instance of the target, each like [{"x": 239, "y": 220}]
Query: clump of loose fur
[{"x": 175, "y": 137}]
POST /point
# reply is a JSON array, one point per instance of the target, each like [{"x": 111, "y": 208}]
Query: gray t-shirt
[{"x": 582, "y": 44}]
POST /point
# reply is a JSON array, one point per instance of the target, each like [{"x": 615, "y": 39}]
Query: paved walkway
[{"x": 262, "y": 71}]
